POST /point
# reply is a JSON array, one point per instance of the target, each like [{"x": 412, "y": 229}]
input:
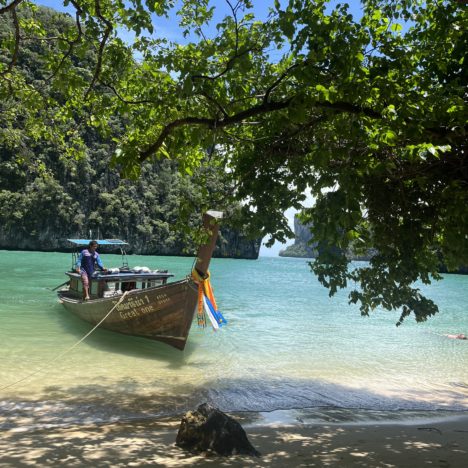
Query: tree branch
[
  {"x": 343, "y": 106},
  {"x": 9, "y": 7},
  {"x": 226, "y": 68},
  {"x": 261, "y": 109},
  {"x": 236, "y": 55},
  {"x": 126, "y": 101},
  {"x": 216, "y": 103},
  {"x": 234, "y": 15},
  {"x": 212, "y": 123},
  {"x": 70, "y": 43},
  {"x": 102, "y": 45},
  {"x": 279, "y": 80}
]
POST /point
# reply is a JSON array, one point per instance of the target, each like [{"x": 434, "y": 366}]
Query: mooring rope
[{"x": 47, "y": 364}]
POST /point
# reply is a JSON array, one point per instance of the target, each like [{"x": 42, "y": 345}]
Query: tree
[
  {"x": 368, "y": 113},
  {"x": 45, "y": 194}
]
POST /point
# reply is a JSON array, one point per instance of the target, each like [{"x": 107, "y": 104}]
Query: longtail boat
[{"x": 142, "y": 302}]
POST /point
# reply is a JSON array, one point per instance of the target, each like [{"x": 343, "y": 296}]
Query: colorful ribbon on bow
[{"x": 206, "y": 302}]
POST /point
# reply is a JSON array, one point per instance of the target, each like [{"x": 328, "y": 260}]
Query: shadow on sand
[
  {"x": 100, "y": 425},
  {"x": 151, "y": 443}
]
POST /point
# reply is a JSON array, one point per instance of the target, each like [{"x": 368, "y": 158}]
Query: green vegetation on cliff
[{"x": 48, "y": 194}]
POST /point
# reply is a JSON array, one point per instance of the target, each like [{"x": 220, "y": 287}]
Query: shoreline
[
  {"x": 440, "y": 442},
  {"x": 347, "y": 416}
]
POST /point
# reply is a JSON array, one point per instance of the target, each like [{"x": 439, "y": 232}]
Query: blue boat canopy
[{"x": 99, "y": 241}]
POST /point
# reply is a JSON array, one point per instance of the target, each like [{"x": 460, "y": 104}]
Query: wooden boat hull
[{"x": 162, "y": 313}]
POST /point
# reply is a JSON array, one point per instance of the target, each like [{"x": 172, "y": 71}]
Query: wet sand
[{"x": 151, "y": 443}]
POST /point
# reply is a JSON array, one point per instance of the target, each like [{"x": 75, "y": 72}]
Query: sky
[{"x": 168, "y": 28}]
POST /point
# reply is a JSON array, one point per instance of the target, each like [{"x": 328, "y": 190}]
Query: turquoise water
[{"x": 287, "y": 346}]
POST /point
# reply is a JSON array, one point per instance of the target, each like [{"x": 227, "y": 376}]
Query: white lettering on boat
[
  {"x": 162, "y": 299},
  {"x": 137, "y": 307},
  {"x": 130, "y": 314},
  {"x": 131, "y": 303}
]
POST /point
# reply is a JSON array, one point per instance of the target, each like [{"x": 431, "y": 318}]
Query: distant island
[{"x": 304, "y": 247}]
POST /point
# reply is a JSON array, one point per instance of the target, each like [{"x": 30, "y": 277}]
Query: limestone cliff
[
  {"x": 302, "y": 246},
  {"x": 231, "y": 244}
]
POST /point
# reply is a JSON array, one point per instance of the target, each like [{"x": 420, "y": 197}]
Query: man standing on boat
[{"x": 87, "y": 262}]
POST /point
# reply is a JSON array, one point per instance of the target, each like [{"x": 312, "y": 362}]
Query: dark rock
[
  {"x": 305, "y": 247},
  {"x": 209, "y": 429}
]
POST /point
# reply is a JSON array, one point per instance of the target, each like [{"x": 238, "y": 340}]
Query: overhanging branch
[
  {"x": 261, "y": 109},
  {"x": 9, "y": 7},
  {"x": 129, "y": 101},
  {"x": 283, "y": 76},
  {"x": 212, "y": 123},
  {"x": 102, "y": 45},
  {"x": 72, "y": 43}
]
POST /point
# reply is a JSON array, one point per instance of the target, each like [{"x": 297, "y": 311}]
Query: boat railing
[{"x": 115, "y": 282}]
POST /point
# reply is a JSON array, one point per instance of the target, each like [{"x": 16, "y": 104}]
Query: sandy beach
[{"x": 151, "y": 443}]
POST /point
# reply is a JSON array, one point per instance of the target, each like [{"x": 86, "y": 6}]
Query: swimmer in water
[{"x": 459, "y": 336}]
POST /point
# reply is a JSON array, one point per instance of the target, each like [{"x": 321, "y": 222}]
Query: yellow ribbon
[{"x": 204, "y": 288}]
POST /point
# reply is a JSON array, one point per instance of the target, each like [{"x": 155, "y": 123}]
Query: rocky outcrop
[
  {"x": 231, "y": 244},
  {"x": 302, "y": 246},
  {"x": 209, "y": 429}
]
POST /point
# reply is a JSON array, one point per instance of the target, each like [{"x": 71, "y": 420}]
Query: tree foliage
[
  {"x": 368, "y": 113},
  {"x": 49, "y": 193}
]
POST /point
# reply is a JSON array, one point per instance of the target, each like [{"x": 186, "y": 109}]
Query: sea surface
[{"x": 287, "y": 346}]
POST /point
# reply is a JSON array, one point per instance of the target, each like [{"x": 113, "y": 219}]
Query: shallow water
[{"x": 287, "y": 346}]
